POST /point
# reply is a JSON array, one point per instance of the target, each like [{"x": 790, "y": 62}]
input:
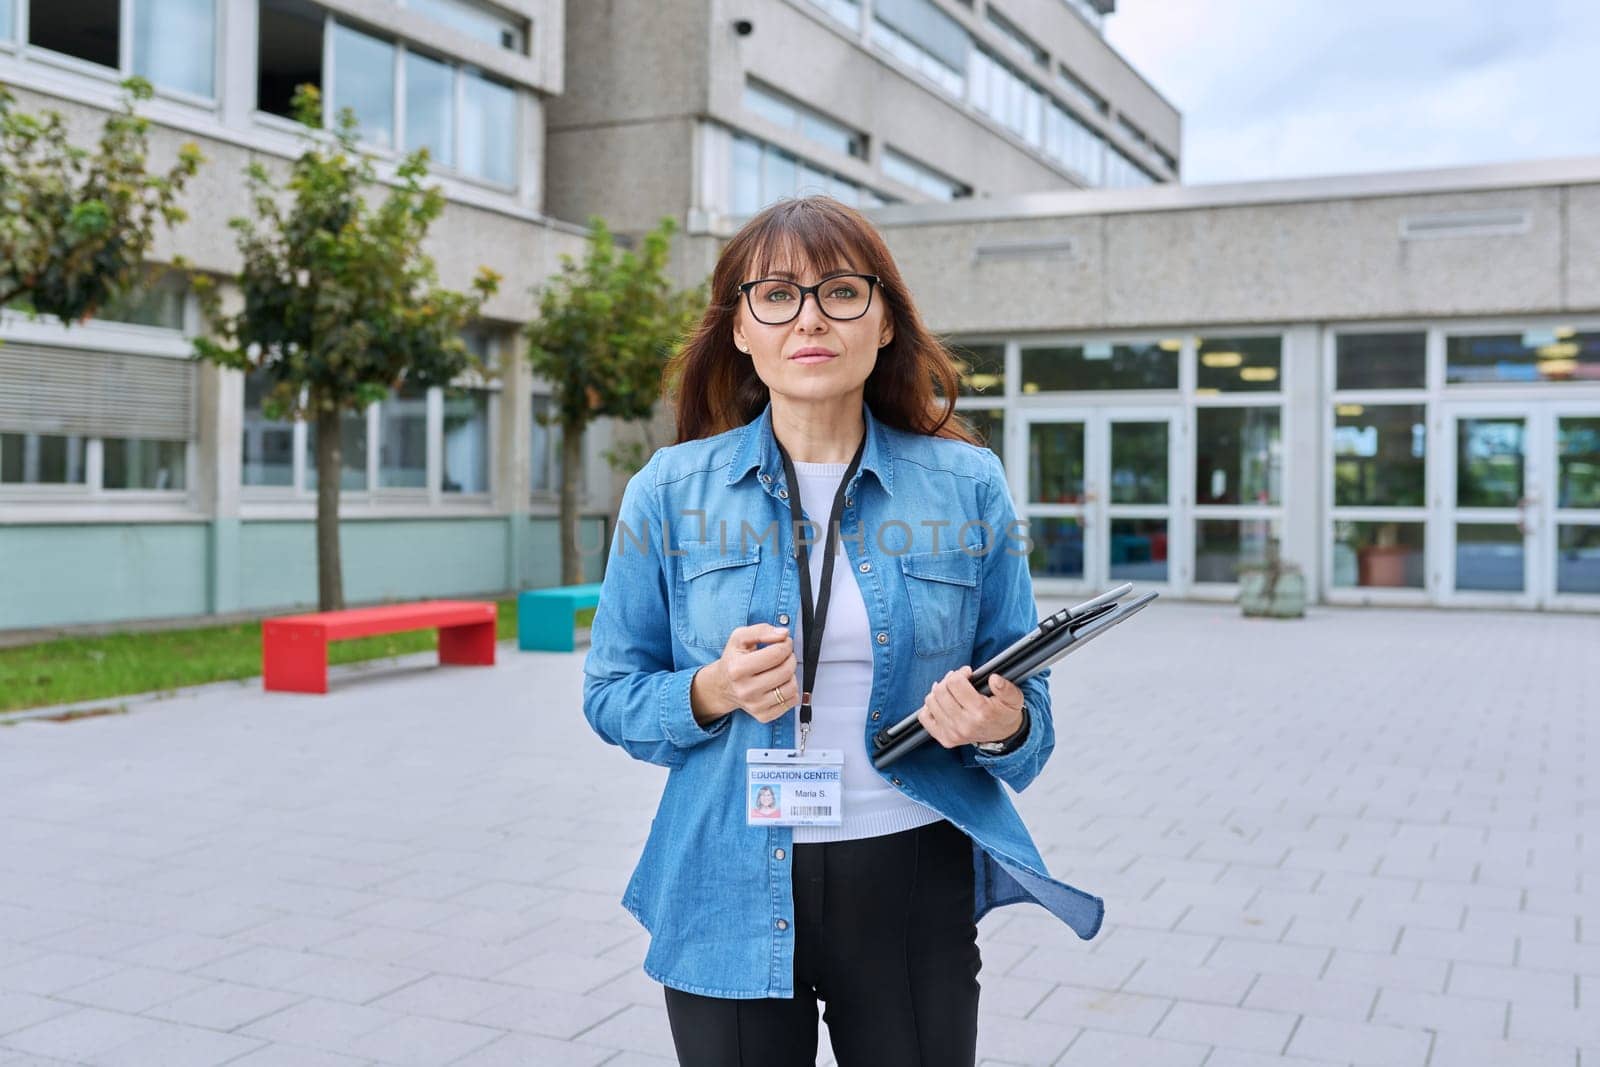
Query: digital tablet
[{"x": 1021, "y": 660}]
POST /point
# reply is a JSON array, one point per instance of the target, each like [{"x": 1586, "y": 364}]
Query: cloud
[{"x": 1271, "y": 90}]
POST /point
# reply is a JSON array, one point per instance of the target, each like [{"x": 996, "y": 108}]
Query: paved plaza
[{"x": 1366, "y": 837}]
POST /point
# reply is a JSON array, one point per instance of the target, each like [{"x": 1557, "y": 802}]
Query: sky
[{"x": 1294, "y": 88}]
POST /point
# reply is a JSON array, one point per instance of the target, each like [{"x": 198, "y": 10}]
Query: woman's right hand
[{"x": 756, "y": 660}]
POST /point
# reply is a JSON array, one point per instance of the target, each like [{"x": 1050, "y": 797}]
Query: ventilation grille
[{"x": 1493, "y": 223}]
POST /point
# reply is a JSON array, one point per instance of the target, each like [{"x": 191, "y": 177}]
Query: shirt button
[
  {"x": 783, "y": 620},
  {"x": 849, "y": 502},
  {"x": 876, "y": 716},
  {"x": 865, "y": 567},
  {"x": 766, "y": 478},
  {"x": 777, "y": 853},
  {"x": 883, "y": 638},
  {"x": 782, "y": 924},
  {"x": 783, "y": 494},
  {"x": 894, "y": 781}
]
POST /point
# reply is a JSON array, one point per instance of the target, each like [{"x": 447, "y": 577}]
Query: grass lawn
[{"x": 71, "y": 669}]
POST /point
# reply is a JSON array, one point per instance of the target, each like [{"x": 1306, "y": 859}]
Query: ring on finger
[{"x": 777, "y": 696}]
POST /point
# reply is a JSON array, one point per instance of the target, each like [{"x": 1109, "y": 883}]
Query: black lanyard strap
[{"x": 813, "y": 617}]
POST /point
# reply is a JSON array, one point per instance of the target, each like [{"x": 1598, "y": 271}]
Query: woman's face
[
  {"x": 844, "y": 353},
  {"x": 764, "y": 797}
]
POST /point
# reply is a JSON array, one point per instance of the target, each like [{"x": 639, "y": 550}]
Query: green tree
[
  {"x": 339, "y": 303},
  {"x": 605, "y": 329},
  {"x": 76, "y": 223}
]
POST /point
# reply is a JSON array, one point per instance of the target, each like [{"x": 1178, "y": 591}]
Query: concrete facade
[
  {"x": 1436, "y": 256},
  {"x": 652, "y": 86},
  {"x": 72, "y": 555}
]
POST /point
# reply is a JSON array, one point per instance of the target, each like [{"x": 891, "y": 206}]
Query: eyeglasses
[{"x": 841, "y": 297}]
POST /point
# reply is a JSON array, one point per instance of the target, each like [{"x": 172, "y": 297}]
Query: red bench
[{"x": 294, "y": 649}]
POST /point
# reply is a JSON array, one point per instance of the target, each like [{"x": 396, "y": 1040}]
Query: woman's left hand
[{"x": 955, "y": 713}]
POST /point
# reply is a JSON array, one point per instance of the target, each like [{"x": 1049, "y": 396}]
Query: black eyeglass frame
[{"x": 873, "y": 282}]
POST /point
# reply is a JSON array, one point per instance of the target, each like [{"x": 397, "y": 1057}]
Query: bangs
[{"x": 804, "y": 243}]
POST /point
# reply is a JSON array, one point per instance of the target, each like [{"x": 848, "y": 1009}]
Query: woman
[{"x": 809, "y": 435}]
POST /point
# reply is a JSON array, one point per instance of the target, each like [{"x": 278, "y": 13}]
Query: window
[
  {"x": 42, "y": 459},
  {"x": 1007, "y": 97},
  {"x": 466, "y": 120},
  {"x": 545, "y": 473},
  {"x": 1239, "y": 365},
  {"x": 1238, "y": 456},
  {"x": 1070, "y": 142},
  {"x": 132, "y": 463},
  {"x": 173, "y": 41},
  {"x": 466, "y": 440},
  {"x": 85, "y": 29},
  {"x": 1561, "y": 354},
  {"x": 478, "y": 21},
  {"x": 94, "y": 420},
  {"x": 980, "y": 369},
  {"x": 812, "y": 125},
  {"x": 403, "y": 440},
  {"x": 847, "y": 12},
  {"x": 1024, "y": 44},
  {"x": 1124, "y": 173},
  {"x": 1091, "y": 100},
  {"x": 7, "y": 29},
  {"x": 922, "y": 35},
  {"x": 908, "y": 171},
  {"x": 1101, "y": 365},
  {"x": 363, "y": 81},
  {"x": 1381, "y": 361},
  {"x": 763, "y": 173},
  {"x": 430, "y": 120},
  {"x": 288, "y": 52},
  {"x": 352, "y": 452},
  {"x": 488, "y": 129},
  {"x": 1379, "y": 455},
  {"x": 268, "y": 443},
  {"x": 157, "y": 301}
]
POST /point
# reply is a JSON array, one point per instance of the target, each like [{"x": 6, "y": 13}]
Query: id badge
[{"x": 783, "y": 788}]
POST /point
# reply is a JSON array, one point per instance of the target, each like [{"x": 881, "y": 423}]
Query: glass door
[
  {"x": 1572, "y": 515},
  {"x": 1140, "y": 480},
  {"x": 1521, "y": 514},
  {"x": 1056, "y": 503},
  {"x": 1101, "y": 497}
]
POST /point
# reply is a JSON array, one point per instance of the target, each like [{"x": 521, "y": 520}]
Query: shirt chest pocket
[
  {"x": 715, "y": 589},
  {"x": 943, "y": 590}
]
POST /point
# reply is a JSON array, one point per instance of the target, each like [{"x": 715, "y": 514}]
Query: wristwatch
[{"x": 1010, "y": 744}]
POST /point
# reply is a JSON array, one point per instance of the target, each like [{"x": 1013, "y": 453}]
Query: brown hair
[{"x": 716, "y": 385}]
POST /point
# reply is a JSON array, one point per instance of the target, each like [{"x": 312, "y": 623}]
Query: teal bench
[{"x": 546, "y": 617}]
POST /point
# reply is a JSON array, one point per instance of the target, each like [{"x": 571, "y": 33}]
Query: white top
[{"x": 843, "y": 685}]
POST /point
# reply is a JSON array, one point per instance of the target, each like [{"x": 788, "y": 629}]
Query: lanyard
[{"x": 814, "y": 618}]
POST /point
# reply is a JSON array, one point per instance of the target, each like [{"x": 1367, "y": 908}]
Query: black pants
[{"x": 884, "y": 936}]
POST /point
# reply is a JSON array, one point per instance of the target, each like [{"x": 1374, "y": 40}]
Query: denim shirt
[{"x": 928, "y": 526}]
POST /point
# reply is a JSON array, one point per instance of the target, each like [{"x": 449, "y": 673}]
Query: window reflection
[
  {"x": 1379, "y": 455},
  {"x": 1222, "y": 546},
  {"x": 403, "y": 440},
  {"x": 1490, "y": 457},
  {"x": 1238, "y": 456},
  {"x": 1381, "y": 361},
  {"x": 1561, "y": 354},
  {"x": 466, "y": 441},
  {"x": 1055, "y": 462},
  {"x": 1101, "y": 365},
  {"x": 1139, "y": 455},
  {"x": 1490, "y": 557},
  {"x": 1378, "y": 554},
  {"x": 1240, "y": 364},
  {"x": 1578, "y": 462},
  {"x": 1057, "y": 547}
]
